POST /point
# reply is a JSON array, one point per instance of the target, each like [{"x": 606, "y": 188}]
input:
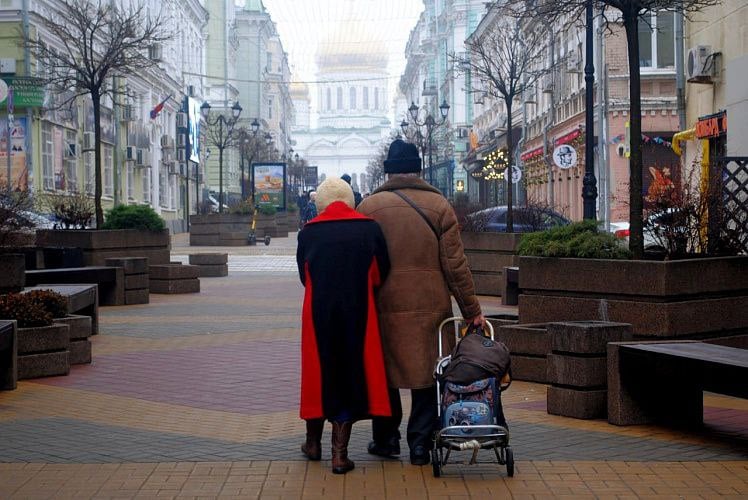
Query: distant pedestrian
[
  {"x": 310, "y": 211},
  {"x": 356, "y": 195},
  {"x": 342, "y": 257},
  {"x": 428, "y": 263}
]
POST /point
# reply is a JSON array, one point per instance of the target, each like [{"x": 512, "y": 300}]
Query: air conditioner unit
[
  {"x": 89, "y": 141},
  {"x": 155, "y": 52},
  {"x": 167, "y": 142},
  {"x": 181, "y": 120},
  {"x": 71, "y": 151},
  {"x": 181, "y": 155},
  {"x": 181, "y": 140},
  {"x": 700, "y": 64},
  {"x": 131, "y": 153},
  {"x": 140, "y": 156},
  {"x": 128, "y": 113}
]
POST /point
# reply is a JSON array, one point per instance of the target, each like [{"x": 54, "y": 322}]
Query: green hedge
[
  {"x": 133, "y": 217},
  {"x": 579, "y": 239}
]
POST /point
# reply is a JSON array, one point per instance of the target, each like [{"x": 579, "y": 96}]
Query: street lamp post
[
  {"x": 229, "y": 123},
  {"x": 431, "y": 124},
  {"x": 589, "y": 183},
  {"x": 254, "y": 127}
]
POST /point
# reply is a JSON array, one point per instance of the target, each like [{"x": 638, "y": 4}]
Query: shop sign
[
  {"x": 460, "y": 179},
  {"x": 712, "y": 125},
  {"x": 565, "y": 139},
  {"x": 532, "y": 153},
  {"x": 516, "y": 174},
  {"x": 565, "y": 156},
  {"x": 27, "y": 91}
]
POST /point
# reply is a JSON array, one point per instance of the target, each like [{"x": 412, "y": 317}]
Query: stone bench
[
  {"x": 664, "y": 381},
  {"x": 8, "y": 355},
  {"x": 174, "y": 278},
  {"x": 110, "y": 280},
  {"x": 81, "y": 299},
  {"x": 136, "y": 271},
  {"x": 211, "y": 265}
]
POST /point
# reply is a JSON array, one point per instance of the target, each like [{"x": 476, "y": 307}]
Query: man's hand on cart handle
[{"x": 478, "y": 321}]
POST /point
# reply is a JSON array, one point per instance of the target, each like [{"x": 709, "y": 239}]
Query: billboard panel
[{"x": 269, "y": 183}]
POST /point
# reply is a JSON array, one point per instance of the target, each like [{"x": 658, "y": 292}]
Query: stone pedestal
[
  {"x": 136, "y": 278},
  {"x": 174, "y": 278},
  {"x": 577, "y": 366},
  {"x": 43, "y": 351},
  {"x": 80, "y": 333},
  {"x": 211, "y": 265}
]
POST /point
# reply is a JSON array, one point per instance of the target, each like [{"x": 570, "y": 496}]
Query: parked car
[{"x": 526, "y": 219}]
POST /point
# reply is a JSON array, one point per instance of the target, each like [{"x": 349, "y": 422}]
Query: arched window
[
  {"x": 329, "y": 99},
  {"x": 340, "y": 98},
  {"x": 353, "y": 97},
  {"x": 366, "y": 98}
]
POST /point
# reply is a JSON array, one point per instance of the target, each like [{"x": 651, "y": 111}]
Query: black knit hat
[
  {"x": 346, "y": 178},
  {"x": 402, "y": 158}
]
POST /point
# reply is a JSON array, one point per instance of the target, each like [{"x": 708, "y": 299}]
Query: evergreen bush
[
  {"x": 267, "y": 209},
  {"x": 579, "y": 239},
  {"x": 133, "y": 217}
]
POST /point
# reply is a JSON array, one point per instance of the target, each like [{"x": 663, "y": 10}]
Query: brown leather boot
[
  {"x": 312, "y": 448},
  {"x": 341, "y": 434}
]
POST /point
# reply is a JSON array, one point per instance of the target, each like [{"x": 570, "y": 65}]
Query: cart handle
[{"x": 457, "y": 320}]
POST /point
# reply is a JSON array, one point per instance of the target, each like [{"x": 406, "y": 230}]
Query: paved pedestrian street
[{"x": 196, "y": 396}]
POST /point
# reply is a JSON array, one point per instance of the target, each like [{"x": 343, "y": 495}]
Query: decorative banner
[
  {"x": 516, "y": 174},
  {"x": 269, "y": 183},
  {"x": 193, "y": 129},
  {"x": 565, "y": 156}
]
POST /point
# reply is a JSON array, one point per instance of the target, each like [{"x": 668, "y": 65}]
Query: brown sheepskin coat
[{"x": 415, "y": 298}]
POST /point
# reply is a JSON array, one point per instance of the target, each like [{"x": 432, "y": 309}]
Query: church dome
[
  {"x": 349, "y": 48},
  {"x": 299, "y": 90}
]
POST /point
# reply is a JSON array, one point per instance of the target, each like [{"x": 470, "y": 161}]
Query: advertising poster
[
  {"x": 269, "y": 183},
  {"x": 193, "y": 128},
  {"x": 18, "y": 172}
]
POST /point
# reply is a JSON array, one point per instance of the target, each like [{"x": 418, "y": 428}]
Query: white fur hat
[{"x": 334, "y": 190}]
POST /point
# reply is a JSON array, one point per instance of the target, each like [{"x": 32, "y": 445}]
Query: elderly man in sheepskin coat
[
  {"x": 427, "y": 264},
  {"x": 342, "y": 258}
]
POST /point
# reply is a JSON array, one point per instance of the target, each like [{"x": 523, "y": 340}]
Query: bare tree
[
  {"x": 375, "y": 167},
  {"x": 505, "y": 58},
  {"x": 90, "y": 42},
  {"x": 628, "y": 13}
]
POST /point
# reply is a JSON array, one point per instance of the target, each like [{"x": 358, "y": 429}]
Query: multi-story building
[
  {"x": 52, "y": 149},
  {"x": 432, "y": 78}
]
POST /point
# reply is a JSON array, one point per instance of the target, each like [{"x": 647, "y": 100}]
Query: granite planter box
[
  {"x": 487, "y": 255},
  {"x": 696, "y": 298},
  {"x": 8, "y": 355},
  {"x": 80, "y": 333},
  {"x": 99, "y": 245},
  {"x": 226, "y": 230},
  {"x": 12, "y": 272},
  {"x": 43, "y": 351}
]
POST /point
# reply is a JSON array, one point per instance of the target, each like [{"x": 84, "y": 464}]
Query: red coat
[{"x": 342, "y": 257}]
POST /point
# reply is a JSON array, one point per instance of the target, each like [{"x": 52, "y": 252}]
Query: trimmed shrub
[
  {"x": 267, "y": 209},
  {"x": 579, "y": 239},
  {"x": 133, "y": 217},
  {"x": 243, "y": 207},
  {"x": 26, "y": 310},
  {"x": 52, "y": 302}
]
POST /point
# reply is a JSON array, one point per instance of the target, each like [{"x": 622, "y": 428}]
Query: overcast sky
[{"x": 302, "y": 23}]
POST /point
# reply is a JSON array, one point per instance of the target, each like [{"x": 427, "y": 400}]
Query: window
[
  {"x": 163, "y": 193},
  {"x": 88, "y": 165},
  {"x": 108, "y": 170},
  {"x": 340, "y": 98},
  {"x": 173, "y": 191},
  {"x": 48, "y": 175},
  {"x": 657, "y": 40},
  {"x": 366, "y": 97},
  {"x": 146, "y": 185},
  {"x": 71, "y": 162},
  {"x": 329, "y": 99},
  {"x": 270, "y": 108},
  {"x": 269, "y": 63},
  {"x": 376, "y": 98},
  {"x": 353, "y": 97},
  {"x": 130, "y": 182}
]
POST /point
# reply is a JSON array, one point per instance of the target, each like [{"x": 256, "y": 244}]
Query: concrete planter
[
  {"x": 98, "y": 245},
  {"x": 487, "y": 254},
  {"x": 267, "y": 225},
  {"x": 8, "y": 355},
  {"x": 219, "y": 229},
  {"x": 13, "y": 272},
  {"x": 43, "y": 351},
  {"x": 696, "y": 298}
]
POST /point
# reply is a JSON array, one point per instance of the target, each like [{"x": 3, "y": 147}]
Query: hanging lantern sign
[
  {"x": 516, "y": 174},
  {"x": 565, "y": 156}
]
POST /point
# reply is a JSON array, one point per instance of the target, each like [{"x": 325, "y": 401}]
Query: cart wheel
[
  {"x": 509, "y": 461},
  {"x": 267, "y": 240},
  {"x": 251, "y": 239},
  {"x": 436, "y": 463}
]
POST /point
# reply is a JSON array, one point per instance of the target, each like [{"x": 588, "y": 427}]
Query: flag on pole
[{"x": 155, "y": 111}]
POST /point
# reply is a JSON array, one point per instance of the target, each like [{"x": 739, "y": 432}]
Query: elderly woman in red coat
[{"x": 342, "y": 258}]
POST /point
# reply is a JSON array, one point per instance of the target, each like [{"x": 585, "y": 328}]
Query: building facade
[{"x": 52, "y": 147}]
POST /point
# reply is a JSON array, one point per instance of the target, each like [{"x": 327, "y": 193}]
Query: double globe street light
[
  {"x": 221, "y": 141},
  {"x": 431, "y": 125}
]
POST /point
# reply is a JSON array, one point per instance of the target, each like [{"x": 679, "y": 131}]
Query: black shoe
[
  {"x": 389, "y": 450},
  {"x": 419, "y": 456}
]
